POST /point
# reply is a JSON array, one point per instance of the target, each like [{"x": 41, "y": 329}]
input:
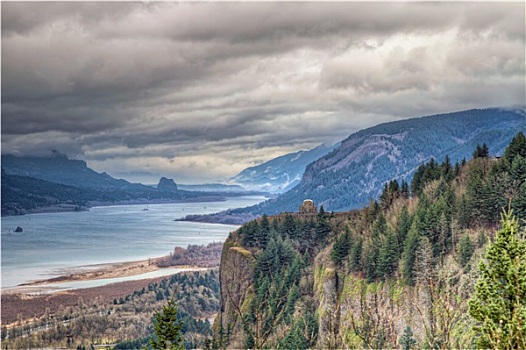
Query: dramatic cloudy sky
[{"x": 199, "y": 91}]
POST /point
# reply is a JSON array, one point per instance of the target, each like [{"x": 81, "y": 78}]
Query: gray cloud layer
[{"x": 199, "y": 91}]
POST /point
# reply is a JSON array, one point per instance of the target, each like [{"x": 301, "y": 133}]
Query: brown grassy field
[{"x": 18, "y": 305}]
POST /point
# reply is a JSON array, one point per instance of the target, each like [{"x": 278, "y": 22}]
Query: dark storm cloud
[{"x": 209, "y": 88}]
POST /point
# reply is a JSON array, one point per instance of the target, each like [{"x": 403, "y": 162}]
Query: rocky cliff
[{"x": 236, "y": 270}]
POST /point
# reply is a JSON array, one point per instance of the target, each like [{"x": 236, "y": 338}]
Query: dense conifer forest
[{"x": 400, "y": 271}]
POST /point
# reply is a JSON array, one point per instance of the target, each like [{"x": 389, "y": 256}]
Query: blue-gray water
[{"x": 55, "y": 242}]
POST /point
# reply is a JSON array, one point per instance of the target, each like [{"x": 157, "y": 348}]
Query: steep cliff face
[
  {"x": 350, "y": 312},
  {"x": 236, "y": 273}
]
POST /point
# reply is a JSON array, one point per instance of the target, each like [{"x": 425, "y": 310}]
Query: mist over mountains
[
  {"x": 282, "y": 173},
  {"x": 355, "y": 172}
]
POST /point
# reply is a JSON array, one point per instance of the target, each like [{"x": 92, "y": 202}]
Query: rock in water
[{"x": 19, "y": 229}]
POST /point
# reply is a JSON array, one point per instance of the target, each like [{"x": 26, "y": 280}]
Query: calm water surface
[{"x": 55, "y": 242}]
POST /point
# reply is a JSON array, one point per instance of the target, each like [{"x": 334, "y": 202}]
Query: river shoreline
[
  {"x": 19, "y": 306},
  {"x": 32, "y": 299},
  {"x": 103, "y": 271}
]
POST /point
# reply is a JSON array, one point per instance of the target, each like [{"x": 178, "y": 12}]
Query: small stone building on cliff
[{"x": 308, "y": 207}]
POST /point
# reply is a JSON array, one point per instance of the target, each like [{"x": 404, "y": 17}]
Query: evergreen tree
[
  {"x": 518, "y": 203},
  {"x": 446, "y": 169},
  {"x": 356, "y": 255},
  {"x": 388, "y": 256},
  {"x": 249, "y": 232},
  {"x": 410, "y": 248},
  {"x": 263, "y": 233},
  {"x": 404, "y": 189},
  {"x": 499, "y": 303},
  {"x": 465, "y": 250},
  {"x": 167, "y": 328},
  {"x": 518, "y": 169},
  {"x": 481, "y": 151},
  {"x": 322, "y": 229},
  {"x": 341, "y": 247},
  {"x": 516, "y": 147},
  {"x": 373, "y": 257},
  {"x": 475, "y": 195},
  {"x": 406, "y": 340},
  {"x": 404, "y": 225}
]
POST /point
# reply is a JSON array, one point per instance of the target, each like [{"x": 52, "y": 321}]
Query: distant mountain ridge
[
  {"x": 352, "y": 174},
  {"x": 282, "y": 173},
  {"x": 58, "y": 168},
  {"x": 57, "y": 183}
]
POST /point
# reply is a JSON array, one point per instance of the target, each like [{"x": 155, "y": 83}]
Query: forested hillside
[
  {"x": 398, "y": 273},
  {"x": 357, "y": 171}
]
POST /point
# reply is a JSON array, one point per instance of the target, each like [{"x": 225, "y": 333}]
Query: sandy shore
[
  {"x": 95, "y": 272},
  {"x": 31, "y": 300}
]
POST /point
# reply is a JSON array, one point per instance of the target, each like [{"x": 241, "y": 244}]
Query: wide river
[{"x": 54, "y": 243}]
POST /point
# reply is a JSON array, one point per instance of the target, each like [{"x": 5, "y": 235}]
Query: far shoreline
[
  {"x": 72, "y": 208},
  {"x": 100, "y": 272}
]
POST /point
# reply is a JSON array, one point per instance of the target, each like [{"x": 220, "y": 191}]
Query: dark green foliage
[
  {"x": 373, "y": 251},
  {"x": 388, "y": 256},
  {"x": 263, "y": 234},
  {"x": 372, "y": 211},
  {"x": 136, "y": 344},
  {"x": 482, "y": 239},
  {"x": 302, "y": 334},
  {"x": 518, "y": 169},
  {"x": 516, "y": 147},
  {"x": 499, "y": 304},
  {"x": 322, "y": 230},
  {"x": 407, "y": 342},
  {"x": 248, "y": 233},
  {"x": 518, "y": 204},
  {"x": 465, "y": 250},
  {"x": 341, "y": 248},
  {"x": 424, "y": 174},
  {"x": 481, "y": 151},
  {"x": 167, "y": 328},
  {"x": 476, "y": 193},
  {"x": 411, "y": 245},
  {"x": 276, "y": 281},
  {"x": 391, "y": 192},
  {"x": 404, "y": 189},
  {"x": 404, "y": 224},
  {"x": 446, "y": 170},
  {"x": 355, "y": 259}
]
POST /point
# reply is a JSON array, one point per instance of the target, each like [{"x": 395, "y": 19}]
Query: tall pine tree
[
  {"x": 499, "y": 303},
  {"x": 167, "y": 328}
]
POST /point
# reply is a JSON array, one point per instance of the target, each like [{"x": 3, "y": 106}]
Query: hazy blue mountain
[
  {"x": 58, "y": 168},
  {"x": 282, "y": 173},
  {"x": 355, "y": 172},
  {"x": 56, "y": 183}
]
